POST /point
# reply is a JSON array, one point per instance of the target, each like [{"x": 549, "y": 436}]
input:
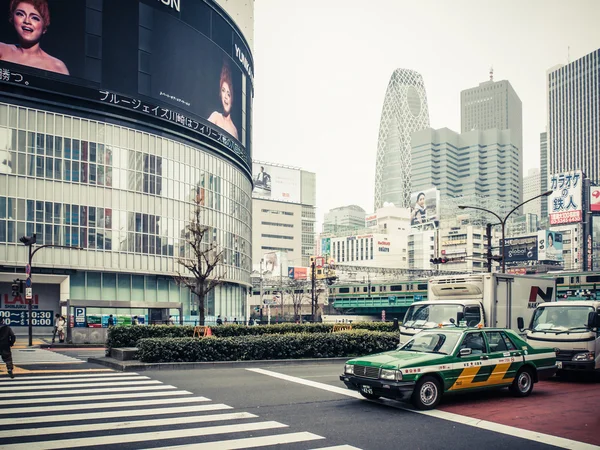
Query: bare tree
[
  {"x": 299, "y": 290},
  {"x": 201, "y": 258}
]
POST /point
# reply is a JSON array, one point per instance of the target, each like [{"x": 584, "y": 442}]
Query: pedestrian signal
[{"x": 438, "y": 260}]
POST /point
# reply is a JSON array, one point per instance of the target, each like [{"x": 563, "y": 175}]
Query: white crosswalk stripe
[{"x": 114, "y": 409}]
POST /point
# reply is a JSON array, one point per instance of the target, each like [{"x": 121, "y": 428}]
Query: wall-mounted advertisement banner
[
  {"x": 298, "y": 273},
  {"x": 425, "y": 207},
  {"x": 595, "y": 198},
  {"x": 276, "y": 183},
  {"x": 520, "y": 249},
  {"x": 550, "y": 246},
  {"x": 181, "y": 65},
  {"x": 326, "y": 247},
  {"x": 272, "y": 264},
  {"x": 565, "y": 203}
]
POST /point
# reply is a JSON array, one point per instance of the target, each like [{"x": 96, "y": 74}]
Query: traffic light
[
  {"x": 16, "y": 288},
  {"x": 28, "y": 240},
  {"x": 438, "y": 260}
]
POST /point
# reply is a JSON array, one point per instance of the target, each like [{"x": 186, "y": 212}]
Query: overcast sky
[{"x": 322, "y": 68}]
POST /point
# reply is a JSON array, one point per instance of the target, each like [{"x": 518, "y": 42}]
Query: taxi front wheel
[
  {"x": 522, "y": 385},
  {"x": 427, "y": 393}
]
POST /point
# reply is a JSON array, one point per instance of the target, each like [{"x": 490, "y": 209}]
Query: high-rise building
[
  {"x": 283, "y": 217},
  {"x": 494, "y": 104},
  {"x": 532, "y": 186},
  {"x": 543, "y": 173},
  {"x": 473, "y": 164},
  {"x": 404, "y": 111},
  {"x": 574, "y": 117},
  {"x": 344, "y": 218}
]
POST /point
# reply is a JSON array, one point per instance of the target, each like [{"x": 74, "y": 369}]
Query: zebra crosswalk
[{"x": 131, "y": 411}]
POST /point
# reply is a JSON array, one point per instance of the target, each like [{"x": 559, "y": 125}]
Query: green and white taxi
[{"x": 450, "y": 360}]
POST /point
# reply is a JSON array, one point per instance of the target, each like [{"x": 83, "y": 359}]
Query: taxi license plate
[
  {"x": 366, "y": 389},
  {"x": 559, "y": 364}
]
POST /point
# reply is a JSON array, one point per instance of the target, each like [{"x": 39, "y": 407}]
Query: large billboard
[
  {"x": 550, "y": 246},
  {"x": 595, "y": 198},
  {"x": 520, "y": 249},
  {"x": 178, "y": 64},
  {"x": 272, "y": 182},
  {"x": 565, "y": 202},
  {"x": 425, "y": 208},
  {"x": 272, "y": 264}
]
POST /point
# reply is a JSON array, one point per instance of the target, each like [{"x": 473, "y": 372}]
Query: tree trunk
[{"x": 201, "y": 300}]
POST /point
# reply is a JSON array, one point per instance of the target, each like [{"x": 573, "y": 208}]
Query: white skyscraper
[
  {"x": 574, "y": 117},
  {"x": 532, "y": 186},
  {"x": 404, "y": 112}
]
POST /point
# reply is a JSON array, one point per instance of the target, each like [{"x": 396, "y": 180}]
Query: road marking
[
  {"x": 85, "y": 398},
  {"x": 19, "y": 370},
  {"x": 63, "y": 377},
  {"x": 234, "y": 444},
  {"x": 464, "y": 420},
  {"x": 147, "y": 437},
  {"x": 96, "y": 391},
  {"x": 49, "y": 386},
  {"x": 124, "y": 425},
  {"x": 338, "y": 447},
  {"x": 113, "y": 414},
  {"x": 75, "y": 407},
  {"x": 59, "y": 380}
]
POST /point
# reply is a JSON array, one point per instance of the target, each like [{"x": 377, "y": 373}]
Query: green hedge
[
  {"x": 266, "y": 347},
  {"x": 128, "y": 336}
]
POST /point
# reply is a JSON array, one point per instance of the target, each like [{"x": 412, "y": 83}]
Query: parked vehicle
[
  {"x": 450, "y": 360},
  {"x": 573, "y": 327},
  {"x": 490, "y": 300}
]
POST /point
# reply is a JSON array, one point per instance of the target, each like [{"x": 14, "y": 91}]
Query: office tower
[
  {"x": 543, "y": 172},
  {"x": 344, "y": 218},
  {"x": 494, "y": 104},
  {"x": 574, "y": 117},
  {"x": 404, "y": 112},
  {"x": 473, "y": 164},
  {"x": 532, "y": 186}
]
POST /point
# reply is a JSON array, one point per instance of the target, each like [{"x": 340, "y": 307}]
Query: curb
[
  {"x": 59, "y": 346},
  {"x": 136, "y": 366}
]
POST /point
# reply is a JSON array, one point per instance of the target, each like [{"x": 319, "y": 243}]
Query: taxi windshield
[
  {"x": 560, "y": 318},
  {"x": 432, "y": 342}
]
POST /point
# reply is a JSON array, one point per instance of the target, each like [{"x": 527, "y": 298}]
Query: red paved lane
[{"x": 568, "y": 409}]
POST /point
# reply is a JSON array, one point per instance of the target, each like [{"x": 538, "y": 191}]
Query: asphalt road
[{"x": 296, "y": 407}]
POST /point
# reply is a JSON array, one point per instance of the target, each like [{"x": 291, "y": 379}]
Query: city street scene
[{"x": 326, "y": 224}]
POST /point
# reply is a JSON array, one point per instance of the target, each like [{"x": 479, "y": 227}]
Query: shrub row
[
  {"x": 265, "y": 347},
  {"x": 128, "y": 336}
]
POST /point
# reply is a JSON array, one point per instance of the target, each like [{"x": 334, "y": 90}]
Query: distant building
[
  {"x": 544, "y": 174},
  {"x": 532, "y": 186},
  {"x": 574, "y": 116},
  {"x": 404, "y": 111},
  {"x": 494, "y": 104},
  {"x": 283, "y": 217},
  {"x": 475, "y": 163},
  {"x": 344, "y": 218}
]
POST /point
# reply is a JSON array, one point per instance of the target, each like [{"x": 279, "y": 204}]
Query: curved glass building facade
[
  {"x": 404, "y": 111},
  {"x": 112, "y": 187}
]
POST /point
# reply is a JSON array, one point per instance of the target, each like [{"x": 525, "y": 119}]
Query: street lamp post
[
  {"x": 29, "y": 241},
  {"x": 503, "y": 221}
]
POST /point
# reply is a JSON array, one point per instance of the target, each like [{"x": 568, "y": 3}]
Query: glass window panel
[
  {"x": 76, "y": 152},
  {"x": 57, "y": 235},
  {"x": 109, "y": 177},
  {"x": 93, "y": 286},
  {"x": 58, "y": 146},
  {"x": 92, "y": 146},
  {"x": 10, "y": 236},
  {"x": 39, "y": 141},
  {"x": 21, "y": 141},
  {"x": 92, "y": 216},
  {"x": 49, "y": 145},
  {"x": 75, "y": 172},
  {"x": 92, "y": 173},
  {"x": 108, "y": 240},
  {"x": 57, "y": 212},
  {"x": 67, "y": 236},
  {"x": 151, "y": 289},
  {"x": 124, "y": 287},
  {"x": 39, "y": 211},
  {"x": 58, "y": 169},
  {"x": 92, "y": 238},
  {"x": 49, "y": 168},
  {"x": 3, "y": 203},
  {"x": 84, "y": 172},
  {"x": 137, "y": 288},
  {"x": 84, "y": 151},
  {"x": 100, "y": 153},
  {"x": 49, "y": 210},
  {"x": 39, "y": 166},
  {"x": 77, "y": 290},
  {"x": 67, "y": 170},
  {"x": 48, "y": 234},
  {"x": 83, "y": 237},
  {"x": 67, "y": 143},
  {"x": 21, "y": 164},
  {"x": 83, "y": 218},
  {"x": 100, "y": 175},
  {"x": 109, "y": 286}
]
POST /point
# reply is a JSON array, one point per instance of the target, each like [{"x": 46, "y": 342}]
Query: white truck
[
  {"x": 572, "y": 327},
  {"x": 487, "y": 299}
]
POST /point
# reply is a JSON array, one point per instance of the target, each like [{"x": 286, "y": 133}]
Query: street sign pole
[{"x": 30, "y": 300}]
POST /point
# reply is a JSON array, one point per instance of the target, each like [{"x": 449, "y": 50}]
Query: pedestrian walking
[
  {"x": 171, "y": 321},
  {"x": 111, "y": 321},
  {"x": 134, "y": 321},
  {"x": 55, "y": 331},
  {"x": 7, "y": 340},
  {"x": 219, "y": 320},
  {"x": 235, "y": 320},
  {"x": 60, "y": 329}
]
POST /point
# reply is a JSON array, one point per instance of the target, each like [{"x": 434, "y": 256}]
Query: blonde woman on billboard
[
  {"x": 30, "y": 19},
  {"x": 223, "y": 119}
]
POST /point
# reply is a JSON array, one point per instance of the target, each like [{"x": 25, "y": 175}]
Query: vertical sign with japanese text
[{"x": 565, "y": 202}]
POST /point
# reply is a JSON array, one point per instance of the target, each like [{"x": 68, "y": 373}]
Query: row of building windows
[
  {"x": 276, "y": 211},
  {"x": 277, "y": 236},
  {"x": 277, "y": 224}
]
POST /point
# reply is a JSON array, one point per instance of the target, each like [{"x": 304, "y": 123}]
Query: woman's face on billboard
[
  {"x": 226, "y": 97},
  {"x": 28, "y": 23}
]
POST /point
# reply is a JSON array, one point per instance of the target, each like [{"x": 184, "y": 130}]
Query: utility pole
[
  {"x": 261, "y": 290},
  {"x": 488, "y": 231},
  {"x": 313, "y": 293}
]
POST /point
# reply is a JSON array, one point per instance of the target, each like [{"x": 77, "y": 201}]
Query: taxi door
[
  {"x": 504, "y": 357},
  {"x": 473, "y": 370}
]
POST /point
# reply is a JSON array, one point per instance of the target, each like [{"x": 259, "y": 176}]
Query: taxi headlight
[
  {"x": 349, "y": 369},
  {"x": 585, "y": 356},
  {"x": 392, "y": 375}
]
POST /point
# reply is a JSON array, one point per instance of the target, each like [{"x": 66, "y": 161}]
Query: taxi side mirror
[
  {"x": 593, "y": 320},
  {"x": 520, "y": 323},
  {"x": 465, "y": 352}
]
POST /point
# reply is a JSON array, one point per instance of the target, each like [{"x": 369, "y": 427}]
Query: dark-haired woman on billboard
[
  {"x": 223, "y": 120},
  {"x": 31, "y": 19}
]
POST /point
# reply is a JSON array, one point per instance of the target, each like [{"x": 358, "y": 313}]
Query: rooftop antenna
[{"x": 491, "y": 73}]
